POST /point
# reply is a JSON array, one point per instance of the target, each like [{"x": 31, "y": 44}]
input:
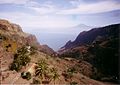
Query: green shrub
[
  {"x": 41, "y": 68},
  {"x": 21, "y": 58},
  {"x": 54, "y": 73},
  {"x": 36, "y": 81},
  {"x": 73, "y": 83},
  {"x": 68, "y": 74},
  {"x": 15, "y": 66},
  {"x": 72, "y": 70},
  {"x": 42, "y": 71},
  {"x": 33, "y": 50},
  {"x": 26, "y": 75}
]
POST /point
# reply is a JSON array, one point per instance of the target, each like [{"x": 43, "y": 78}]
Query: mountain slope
[
  {"x": 46, "y": 49},
  {"x": 23, "y": 62},
  {"x": 100, "y": 48},
  {"x": 87, "y": 37}
]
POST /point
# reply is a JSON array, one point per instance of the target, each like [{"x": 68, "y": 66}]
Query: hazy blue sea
[{"x": 53, "y": 40}]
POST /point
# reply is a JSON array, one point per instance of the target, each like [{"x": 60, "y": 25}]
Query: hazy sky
[{"x": 58, "y": 15}]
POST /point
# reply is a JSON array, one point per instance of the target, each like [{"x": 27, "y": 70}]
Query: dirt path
[
  {"x": 18, "y": 75},
  {"x": 3, "y": 69},
  {"x": 16, "y": 78}
]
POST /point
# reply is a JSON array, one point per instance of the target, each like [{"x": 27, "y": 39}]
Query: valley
[{"x": 92, "y": 58}]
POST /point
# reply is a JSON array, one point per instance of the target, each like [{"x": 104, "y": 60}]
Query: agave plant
[
  {"x": 55, "y": 74},
  {"x": 41, "y": 69}
]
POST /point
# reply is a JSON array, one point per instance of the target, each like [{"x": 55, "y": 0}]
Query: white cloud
[
  {"x": 14, "y": 1},
  {"x": 78, "y": 6},
  {"x": 99, "y": 7},
  {"x": 46, "y": 22},
  {"x": 31, "y": 4},
  {"x": 47, "y": 9},
  {"x": 76, "y": 2},
  {"x": 50, "y": 17}
]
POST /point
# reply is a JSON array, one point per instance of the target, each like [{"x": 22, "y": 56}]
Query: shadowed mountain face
[
  {"x": 87, "y": 37},
  {"x": 100, "y": 48}
]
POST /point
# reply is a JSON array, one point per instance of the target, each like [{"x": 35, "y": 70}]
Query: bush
[
  {"x": 72, "y": 54},
  {"x": 73, "y": 83},
  {"x": 36, "y": 81},
  {"x": 68, "y": 74},
  {"x": 44, "y": 72},
  {"x": 21, "y": 58},
  {"x": 41, "y": 69},
  {"x": 55, "y": 74},
  {"x": 15, "y": 66},
  {"x": 26, "y": 75},
  {"x": 72, "y": 70},
  {"x": 33, "y": 50}
]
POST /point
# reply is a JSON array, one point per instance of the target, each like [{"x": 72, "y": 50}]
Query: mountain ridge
[
  {"x": 98, "y": 47},
  {"x": 86, "y": 35}
]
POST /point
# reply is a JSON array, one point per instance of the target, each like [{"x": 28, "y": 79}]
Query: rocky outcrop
[
  {"x": 11, "y": 33},
  {"x": 7, "y": 26},
  {"x": 32, "y": 40},
  {"x": 46, "y": 49},
  {"x": 16, "y": 28}
]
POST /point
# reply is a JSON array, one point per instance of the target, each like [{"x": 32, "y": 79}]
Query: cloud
[
  {"x": 44, "y": 9},
  {"x": 14, "y": 1},
  {"x": 77, "y": 6},
  {"x": 92, "y": 8},
  {"x": 43, "y": 22},
  {"x": 48, "y": 16},
  {"x": 31, "y": 4}
]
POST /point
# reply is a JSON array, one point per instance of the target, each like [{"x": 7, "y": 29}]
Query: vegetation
[
  {"x": 45, "y": 73},
  {"x": 68, "y": 74},
  {"x": 15, "y": 66},
  {"x": 72, "y": 70},
  {"x": 106, "y": 59},
  {"x": 41, "y": 69},
  {"x": 103, "y": 55},
  {"x": 36, "y": 81},
  {"x": 8, "y": 44},
  {"x": 55, "y": 75},
  {"x": 33, "y": 50},
  {"x": 26, "y": 75},
  {"x": 21, "y": 58},
  {"x": 72, "y": 54},
  {"x": 73, "y": 83},
  {"x": 2, "y": 37}
]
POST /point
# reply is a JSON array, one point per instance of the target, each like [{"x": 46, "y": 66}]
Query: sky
[{"x": 49, "y": 18}]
